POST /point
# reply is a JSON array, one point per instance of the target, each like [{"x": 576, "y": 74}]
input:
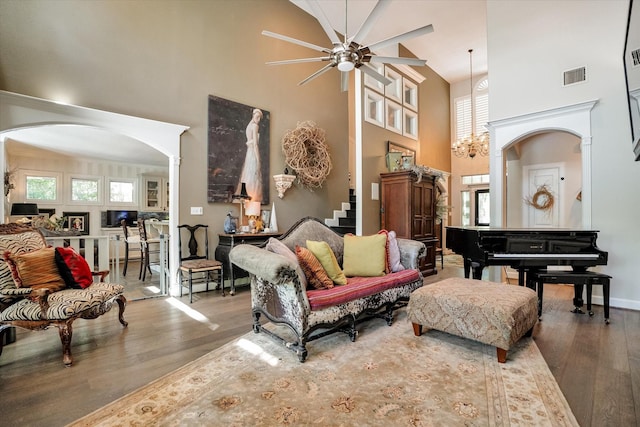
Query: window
[
  {"x": 462, "y": 111},
  {"x": 40, "y": 186},
  {"x": 410, "y": 124},
  {"x": 393, "y": 116},
  {"x": 475, "y": 179},
  {"x": 483, "y": 204},
  {"x": 122, "y": 191},
  {"x": 373, "y": 107},
  {"x": 85, "y": 190},
  {"x": 394, "y": 89}
]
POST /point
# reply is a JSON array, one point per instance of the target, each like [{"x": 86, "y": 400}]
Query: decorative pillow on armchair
[
  {"x": 73, "y": 268},
  {"x": 36, "y": 269}
]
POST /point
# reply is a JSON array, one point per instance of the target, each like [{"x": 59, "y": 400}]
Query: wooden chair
[
  {"x": 148, "y": 246},
  {"x": 197, "y": 262},
  {"x": 131, "y": 242}
]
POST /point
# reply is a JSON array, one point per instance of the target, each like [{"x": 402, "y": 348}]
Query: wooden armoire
[{"x": 408, "y": 207}]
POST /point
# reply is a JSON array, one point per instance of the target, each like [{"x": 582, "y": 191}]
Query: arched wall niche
[
  {"x": 21, "y": 111},
  {"x": 544, "y": 151},
  {"x": 574, "y": 119}
]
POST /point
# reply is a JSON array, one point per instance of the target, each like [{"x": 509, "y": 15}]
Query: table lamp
[
  {"x": 242, "y": 197},
  {"x": 253, "y": 213},
  {"x": 24, "y": 210}
]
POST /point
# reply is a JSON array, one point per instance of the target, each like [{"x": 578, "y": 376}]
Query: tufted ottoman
[{"x": 492, "y": 313}]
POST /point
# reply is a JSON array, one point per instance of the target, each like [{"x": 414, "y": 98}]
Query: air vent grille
[
  {"x": 635, "y": 56},
  {"x": 577, "y": 75}
]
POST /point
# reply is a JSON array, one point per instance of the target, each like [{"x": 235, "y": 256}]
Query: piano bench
[
  {"x": 578, "y": 279},
  {"x": 491, "y": 313}
]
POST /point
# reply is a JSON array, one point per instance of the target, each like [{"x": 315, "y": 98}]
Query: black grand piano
[{"x": 524, "y": 249}]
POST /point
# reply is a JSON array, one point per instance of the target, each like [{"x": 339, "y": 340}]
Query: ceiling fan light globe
[{"x": 345, "y": 66}]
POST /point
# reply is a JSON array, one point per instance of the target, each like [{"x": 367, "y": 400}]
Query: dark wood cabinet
[
  {"x": 226, "y": 242},
  {"x": 408, "y": 207}
]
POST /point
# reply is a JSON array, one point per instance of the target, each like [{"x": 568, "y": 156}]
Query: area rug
[{"x": 387, "y": 377}]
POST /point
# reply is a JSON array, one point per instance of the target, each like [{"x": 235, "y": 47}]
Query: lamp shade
[
  {"x": 252, "y": 209},
  {"x": 243, "y": 193},
  {"x": 24, "y": 209}
]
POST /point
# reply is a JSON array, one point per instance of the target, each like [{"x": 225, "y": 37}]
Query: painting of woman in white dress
[
  {"x": 250, "y": 174},
  {"x": 238, "y": 151}
]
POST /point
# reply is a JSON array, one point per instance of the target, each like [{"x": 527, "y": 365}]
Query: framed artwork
[
  {"x": 78, "y": 221},
  {"x": 237, "y": 151},
  {"x": 48, "y": 213}
]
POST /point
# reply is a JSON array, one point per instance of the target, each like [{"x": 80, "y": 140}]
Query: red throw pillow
[{"x": 73, "y": 268}]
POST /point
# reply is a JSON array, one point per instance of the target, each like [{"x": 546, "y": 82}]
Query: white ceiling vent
[
  {"x": 635, "y": 56},
  {"x": 577, "y": 75}
]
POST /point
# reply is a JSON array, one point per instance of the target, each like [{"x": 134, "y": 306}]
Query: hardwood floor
[{"x": 597, "y": 366}]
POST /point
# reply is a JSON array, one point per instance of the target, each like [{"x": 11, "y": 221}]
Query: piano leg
[{"x": 578, "y": 302}]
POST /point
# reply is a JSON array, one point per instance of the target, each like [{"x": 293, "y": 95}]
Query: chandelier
[{"x": 472, "y": 144}]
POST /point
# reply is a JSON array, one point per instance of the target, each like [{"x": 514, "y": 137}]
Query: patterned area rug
[{"x": 386, "y": 377}]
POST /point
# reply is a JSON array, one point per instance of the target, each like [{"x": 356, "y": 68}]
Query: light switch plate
[
  {"x": 196, "y": 210},
  {"x": 375, "y": 191}
]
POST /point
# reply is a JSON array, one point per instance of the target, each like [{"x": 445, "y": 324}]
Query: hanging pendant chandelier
[{"x": 472, "y": 144}]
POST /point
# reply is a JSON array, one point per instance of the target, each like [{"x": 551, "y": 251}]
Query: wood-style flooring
[{"x": 597, "y": 366}]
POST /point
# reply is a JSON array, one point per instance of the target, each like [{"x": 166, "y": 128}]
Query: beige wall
[
  {"x": 160, "y": 60},
  {"x": 432, "y": 147}
]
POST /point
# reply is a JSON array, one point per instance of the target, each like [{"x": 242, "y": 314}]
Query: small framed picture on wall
[{"x": 77, "y": 221}]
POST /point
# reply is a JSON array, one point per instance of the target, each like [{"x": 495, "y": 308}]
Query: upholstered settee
[
  {"x": 279, "y": 293},
  {"x": 33, "y": 297}
]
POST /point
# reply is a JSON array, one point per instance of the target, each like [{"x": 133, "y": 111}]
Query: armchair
[{"x": 40, "y": 306}]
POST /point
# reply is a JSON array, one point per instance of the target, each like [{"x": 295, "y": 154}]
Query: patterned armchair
[{"x": 36, "y": 307}]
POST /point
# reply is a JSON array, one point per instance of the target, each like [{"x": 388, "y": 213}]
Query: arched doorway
[{"x": 21, "y": 111}]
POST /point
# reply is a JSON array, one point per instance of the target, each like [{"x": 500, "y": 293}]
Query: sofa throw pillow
[
  {"x": 316, "y": 276},
  {"x": 36, "y": 269},
  {"x": 73, "y": 268},
  {"x": 327, "y": 258},
  {"x": 364, "y": 256},
  {"x": 393, "y": 252},
  {"x": 277, "y": 247},
  {"x": 387, "y": 266}
]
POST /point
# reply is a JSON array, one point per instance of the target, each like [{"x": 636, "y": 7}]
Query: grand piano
[{"x": 524, "y": 249}]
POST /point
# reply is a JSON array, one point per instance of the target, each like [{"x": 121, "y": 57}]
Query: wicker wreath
[
  {"x": 307, "y": 153},
  {"x": 542, "y": 199}
]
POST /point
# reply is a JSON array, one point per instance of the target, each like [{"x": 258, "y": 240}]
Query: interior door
[{"x": 539, "y": 177}]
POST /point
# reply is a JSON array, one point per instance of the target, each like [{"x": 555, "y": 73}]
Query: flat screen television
[{"x": 114, "y": 217}]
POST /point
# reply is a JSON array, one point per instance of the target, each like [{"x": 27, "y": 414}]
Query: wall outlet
[{"x": 196, "y": 210}]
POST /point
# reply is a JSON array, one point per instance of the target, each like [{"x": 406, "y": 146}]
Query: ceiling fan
[{"x": 350, "y": 53}]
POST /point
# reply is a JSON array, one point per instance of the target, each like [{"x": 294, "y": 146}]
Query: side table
[{"x": 227, "y": 241}]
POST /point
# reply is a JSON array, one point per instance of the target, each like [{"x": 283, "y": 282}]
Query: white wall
[{"x": 530, "y": 44}]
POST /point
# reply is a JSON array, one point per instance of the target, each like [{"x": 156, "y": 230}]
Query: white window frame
[
  {"x": 371, "y": 98},
  {"x": 409, "y": 94},
  {"x": 394, "y": 89},
  {"x": 24, "y": 173},
  {"x": 99, "y": 186},
  {"x": 373, "y": 83},
  {"x": 393, "y": 109},
  {"x": 410, "y": 123},
  {"x": 132, "y": 181}
]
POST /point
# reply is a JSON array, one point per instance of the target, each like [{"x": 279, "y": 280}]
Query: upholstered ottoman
[{"x": 492, "y": 313}]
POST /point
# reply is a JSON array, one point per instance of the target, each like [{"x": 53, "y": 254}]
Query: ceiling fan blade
[
  {"x": 316, "y": 74},
  {"x": 397, "y": 60},
  {"x": 299, "y": 61},
  {"x": 295, "y": 41},
  {"x": 324, "y": 22},
  {"x": 344, "y": 81},
  {"x": 370, "y": 21},
  {"x": 402, "y": 37},
  {"x": 368, "y": 69}
]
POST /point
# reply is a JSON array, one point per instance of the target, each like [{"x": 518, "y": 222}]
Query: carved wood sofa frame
[
  {"x": 38, "y": 309},
  {"x": 277, "y": 293}
]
